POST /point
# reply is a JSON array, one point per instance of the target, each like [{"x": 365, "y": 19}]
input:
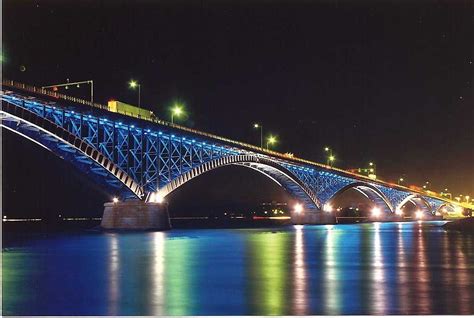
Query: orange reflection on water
[
  {"x": 403, "y": 289},
  {"x": 422, "y": 275}
]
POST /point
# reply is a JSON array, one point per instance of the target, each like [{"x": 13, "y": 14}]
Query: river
[{"x": 372, "y": 268}]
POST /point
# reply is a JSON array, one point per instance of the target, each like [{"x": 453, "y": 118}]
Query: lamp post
[
  {"x": 331, "y": 159},
  {"x": 67, "y": 84},
  {"x": 177, "y": 110},
  {"x": 400, "y": 180},
  {"x": 271, "y": 140},
  {"x": 330, "y": 155},
  {"x": 372, "y": 168},
  {"x": 134, "y": 84},
  {"x": 259, "y": 126}
]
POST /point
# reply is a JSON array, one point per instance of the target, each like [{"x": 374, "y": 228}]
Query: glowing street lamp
[
  {"x": 177, "y": 111},
  {"x": 330, "y": 157},
  {"x": 271, "y": 140},
  {"x": 133, "y": 85},
  {"x": 298, "y": 208},
  {"x": 400, "y": 180},
  {"x": 259, "y": 126}
]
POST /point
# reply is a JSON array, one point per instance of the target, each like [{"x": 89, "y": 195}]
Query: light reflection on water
[{"x": 379, "y": 268}]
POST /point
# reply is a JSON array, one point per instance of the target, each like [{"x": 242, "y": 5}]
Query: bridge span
[{"x": 146, "y": 158}]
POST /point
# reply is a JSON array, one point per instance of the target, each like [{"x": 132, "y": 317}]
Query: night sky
[{"x": 376, "y": 81}]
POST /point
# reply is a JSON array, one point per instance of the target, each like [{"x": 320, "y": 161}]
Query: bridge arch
[
  {"x": 369, "y": 191},
  {"x": 271, "y": 169},
  {"x": 419, "y": 202},
  {"x": 66, "y": 145}
]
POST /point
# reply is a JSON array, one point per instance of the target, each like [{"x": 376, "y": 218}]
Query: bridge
[{"x": 144, "y": 159}]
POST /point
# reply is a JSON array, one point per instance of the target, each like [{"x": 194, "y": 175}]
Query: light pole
[
  {"x": 134, "y": 84},
  {"x": 331, "y": 160},
  {"x": 400, "y": 180},
  {"x": 257, "y": 126},
  {"x": 425, "y": 186},
  {"x": 330, "y": 157},
  {"x": 271, "y": 140},
  {"x": 67, "y": 84},
  {"x": 372, "y": 168},
  {"x": 177, "y": 110}
]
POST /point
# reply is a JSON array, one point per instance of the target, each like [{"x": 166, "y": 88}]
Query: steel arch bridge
[{"x": 146, "y": 158}]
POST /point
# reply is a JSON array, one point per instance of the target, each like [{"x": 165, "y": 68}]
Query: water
[{"x": 387, "y": 268}]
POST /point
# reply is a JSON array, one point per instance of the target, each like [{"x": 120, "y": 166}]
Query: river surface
[{"x": 374, "y": 268}]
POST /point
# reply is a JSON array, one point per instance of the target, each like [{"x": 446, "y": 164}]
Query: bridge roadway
[{"x": 148, "y": 158}]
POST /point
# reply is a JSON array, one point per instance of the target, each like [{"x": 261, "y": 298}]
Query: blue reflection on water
[{"x": 377, "y": 268}]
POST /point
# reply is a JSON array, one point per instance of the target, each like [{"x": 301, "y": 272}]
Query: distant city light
[{"x": 115, "y": 200}]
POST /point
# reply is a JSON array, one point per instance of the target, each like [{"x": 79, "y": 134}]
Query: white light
[
  {"x": 115, "y": 200},
  {"x": 327, "y": 208},
  {"x": 156, "y": 198},
  {"x": 399, "y": 211},
  {"x": 376, "y": 211},
  {"x": 298, "y": 208},
  {"x": 419, "y": 214}
]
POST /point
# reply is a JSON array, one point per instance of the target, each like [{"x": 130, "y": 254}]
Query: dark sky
[{"x": 374, "y": 80}]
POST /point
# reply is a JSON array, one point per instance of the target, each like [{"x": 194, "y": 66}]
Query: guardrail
[{"x": 49, "y": 93}]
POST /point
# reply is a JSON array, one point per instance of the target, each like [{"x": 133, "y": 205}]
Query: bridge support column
[
  {"x": 313, "y": 217},
  {"x": 135, "y": 215}
]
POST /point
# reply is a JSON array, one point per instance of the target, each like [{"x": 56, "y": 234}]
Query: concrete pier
[{"x": 135, "y": 215}]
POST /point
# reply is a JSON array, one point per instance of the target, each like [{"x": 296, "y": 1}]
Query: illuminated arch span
[
  {"x": 446, "y": 207},
  {"x": 418, "y": 201},
  {"x": 67, "y": 146},
  {"x": 271, "y": 169},
  {"x": 370, "y": 192}
]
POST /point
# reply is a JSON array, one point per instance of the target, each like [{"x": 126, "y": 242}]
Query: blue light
[
  {"x": 132, "y": 126},
  {"x": 160, "y": 133},
  {"x": 184, "y": 138},
  {"x": 72, "y": 112},
  {"x": 90, "y": 116},
  {"x": 120, "y": 123},
  {"x": 148, "y": 130},
  {"x": 203, "y": 143},
  {"x": 105, "y": 119},
  {"x": 172, "y": 136},
  {"x": 193, "y": 140}
]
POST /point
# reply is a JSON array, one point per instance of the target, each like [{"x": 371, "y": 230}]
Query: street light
[
  {"x": 331, "y": 160},
  {"x": 78, "y": 84},
  {"x": 400, "y": 180},
  {"x": 257, "y": 126},
  {"x": 134, "y": 84},
  {"x": 177, "y": 110},
  {"x": 271, "y": 140},
  {"x": 331, "y": 157}
]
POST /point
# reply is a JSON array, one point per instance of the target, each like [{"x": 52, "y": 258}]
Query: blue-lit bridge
[{"x": 147, "y": 159}]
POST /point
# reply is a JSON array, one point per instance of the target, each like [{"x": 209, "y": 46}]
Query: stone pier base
[
  {"x": 135, "y": 215},
  {"x": 313, "y": 217}
]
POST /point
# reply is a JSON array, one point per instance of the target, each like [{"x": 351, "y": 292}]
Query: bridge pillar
[
  {"x": 135, "y": 215},
  {"x": 313, "y": 217}
]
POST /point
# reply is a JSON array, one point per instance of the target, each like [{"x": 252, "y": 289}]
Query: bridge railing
[{"x": 292, "y": 159}]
